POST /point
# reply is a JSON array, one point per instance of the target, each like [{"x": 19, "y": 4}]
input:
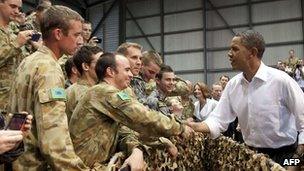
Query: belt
[{"x": 283, "y": 149}]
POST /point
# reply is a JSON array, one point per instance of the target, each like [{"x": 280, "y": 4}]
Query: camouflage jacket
[
  {"x": 139, "y": 87},
  {"x": 157, "y": 101},
  {"x": 38, "y": 89},
  {"x": 10, "y": 57},
  {"x": 74, "y": 94},
  {"x": 95, "y": 123}
]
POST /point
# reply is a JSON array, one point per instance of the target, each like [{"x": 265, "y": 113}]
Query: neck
[
  {"x": 111, "y": 82},
  {"x": 54, "y": 47},
  {"x": 3, "y": 22},
  {"x": 251, "y": 70},
  {"x": 202, "y": 101},
  {"x": 88, "y": 79}
]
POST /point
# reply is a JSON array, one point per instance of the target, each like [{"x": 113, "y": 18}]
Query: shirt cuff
[
  {"x": 301, "y": 138},
  {"x": 213, "y": 127}
]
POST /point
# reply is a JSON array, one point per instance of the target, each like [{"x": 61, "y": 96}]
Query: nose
[
  {"x": 229, "y": 54},
  {"x": 130, "y": 74}
]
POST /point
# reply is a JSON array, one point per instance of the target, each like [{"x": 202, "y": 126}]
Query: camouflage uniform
[
  {"x": 96, "y": 121},
  {"x": 150, "y": 86},
  {"x": 74, "y": 94},
  {"x": 157, "y": 101},
  {"x": 188, "y": 111},
  {"x": 62, "y": 62},
  {"x": 139, "y": 87},
  {"x": 38, "y": 89},
  {"x": 10, "y": 57}
]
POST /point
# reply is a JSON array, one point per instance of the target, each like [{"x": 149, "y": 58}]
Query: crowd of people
[{"x": 84, "y": 104}]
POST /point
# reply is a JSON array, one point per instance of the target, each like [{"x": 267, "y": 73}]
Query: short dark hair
[
  {"x": 226, "y": 76},
  {"x": 57, "y": 16},
  {"x": 164, "y": 68},
  {"x": 105, "y": 61},
  {"x": 68, "y": 67},
  {"x": 85, "y": 55},
  {"x": 251, "y": 39}
]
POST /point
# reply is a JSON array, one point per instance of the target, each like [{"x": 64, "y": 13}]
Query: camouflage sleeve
[
  {"x": 51, "y": 121},
  {"x": 9, "y": 49},
  {"x": 181, "y": 88},
  {"x": 139, "y": 118}
]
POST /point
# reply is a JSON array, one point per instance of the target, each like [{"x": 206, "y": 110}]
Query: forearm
[{"x": 199, "y": 127}]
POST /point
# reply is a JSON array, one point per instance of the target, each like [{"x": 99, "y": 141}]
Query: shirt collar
[{"x": 261, "y": 74}]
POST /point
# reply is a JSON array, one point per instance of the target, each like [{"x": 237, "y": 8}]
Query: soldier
[
  {"x": 85, "y": 60},
  {"x": 39, "y": 89},
  {"x": 10, "y": 48},
  {"x": 106, "y": 106},
  {"x": 271, "y": 124},
  {"x": 132, "y": 51},
  {"x": 86, "y": 33},
  {"x": 165, "y": 85}
]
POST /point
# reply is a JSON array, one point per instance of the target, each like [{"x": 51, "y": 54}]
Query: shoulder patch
[
  {"x": 58, "y": 93},
  {"x": 123, "y": 96}
]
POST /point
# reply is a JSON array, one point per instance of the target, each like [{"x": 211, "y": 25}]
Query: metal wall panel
[
  {"x": 154, "y": 40},
  {"x": 225, "y": 2},
  {"x": 177, "y": 5},
  {"x": 282, "y": 32},
  {"x": 182, "y": 62},
  {"x": 149, "y": 26},
  {"x": 142, "y": 8},
  {"x": 199, "y": 77},
  {"x": 95, "y": 14},
  {"x": 233, "y": 16},
  {"x": 182, "y": 21},
  {"x": 276, "y": 10},
  {"x": 192, "y": 40},
  {"x": 218, "y": 60},
  {"x": 111, "y": 29}
]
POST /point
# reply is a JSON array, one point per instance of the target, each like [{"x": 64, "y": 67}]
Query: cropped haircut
[
  {"x": 57, "y": 16},
  {"x": 164, "y": 68},
  {"x": 253, "y": 39},
  {"x": 151, "y": 56},
  {"x": 204, "y": 89},
  {"x": 123, "y": 48},
  {"x": 105, "y": 61},
  {"x": 226, "y": 76},
  {"x": 68, "y": 66},
  {"x": 85, "y": 55}
]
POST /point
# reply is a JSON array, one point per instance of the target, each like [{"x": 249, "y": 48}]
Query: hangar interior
[{"x": 193, "y": 36}]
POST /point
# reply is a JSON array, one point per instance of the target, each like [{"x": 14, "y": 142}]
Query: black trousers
[{"x": 278, "y": 154}]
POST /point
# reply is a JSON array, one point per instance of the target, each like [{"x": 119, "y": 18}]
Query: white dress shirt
[
  {"x": 201, "y": 115},
  {"x": 270, "y": 109}
]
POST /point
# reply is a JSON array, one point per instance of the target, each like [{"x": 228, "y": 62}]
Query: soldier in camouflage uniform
[
  {"x": 133, "y": 53},
  {"x": 106, "y": 106},
  {"x": 39, "y": 89},
  {"x": 85, "y": 60},
  {"x": 10, "y": 47},
  {"x": 165, "y": 85}
]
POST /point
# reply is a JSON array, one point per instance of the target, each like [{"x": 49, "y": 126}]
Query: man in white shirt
[{"x": 268, "y": 103}]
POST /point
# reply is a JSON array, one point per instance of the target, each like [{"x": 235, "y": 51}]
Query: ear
[
  {"x": 57, "y": 34},
  {"x": 85, "y": 66},
  {"x": 74, "y": 70},
  {"x": 110, "y": 72},
  {"x": 254, "y": 51}
]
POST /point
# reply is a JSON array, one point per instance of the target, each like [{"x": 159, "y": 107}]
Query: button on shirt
[{"x": 270, "y": 109}]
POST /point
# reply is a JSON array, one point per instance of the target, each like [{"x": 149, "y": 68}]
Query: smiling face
[
  {"x": 197, "y": 92},
  {"x": 166, "y": 83},
  {"x": 122, "y": 75},
  {"x": 238, "y": 55}
]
